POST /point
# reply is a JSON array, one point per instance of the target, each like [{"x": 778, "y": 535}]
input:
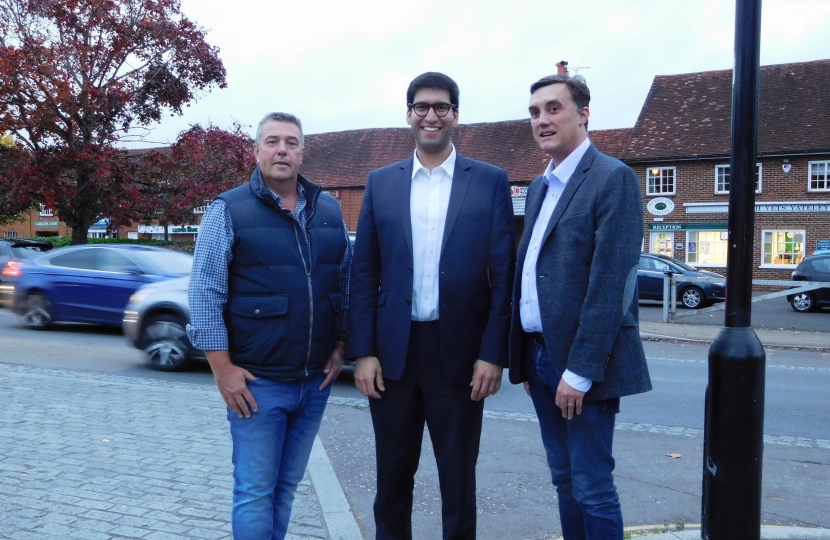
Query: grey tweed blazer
[{"x": 586, "y": 279}]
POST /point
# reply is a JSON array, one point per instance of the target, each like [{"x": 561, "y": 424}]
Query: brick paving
[{"x": 98, "y": 457}]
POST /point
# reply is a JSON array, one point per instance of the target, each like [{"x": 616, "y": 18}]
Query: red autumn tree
[
  {"x": 75, "y": 77},
  {"x": 202, "y": 163}
]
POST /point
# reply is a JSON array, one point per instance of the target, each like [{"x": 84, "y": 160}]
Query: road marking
[
  {"x": 675, "y": 431},
  {"x": 769, "y": 366}
]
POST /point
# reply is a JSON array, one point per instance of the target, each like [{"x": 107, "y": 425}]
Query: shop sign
[
  {"x": 823, "y": 243},
  {"x": 792, "y": 207},
  {"x": 47, "y": 223},
  {"x": 187, "y": 229},
  {"x": 687, "y": 226},
  {"x": 660, "y": 206}
]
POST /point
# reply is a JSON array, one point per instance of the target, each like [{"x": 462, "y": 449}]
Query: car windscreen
[
  {"x": 26, "y": 252},
  {"x": 169, "y": 262},
  {"x": 684, "y": 266}
]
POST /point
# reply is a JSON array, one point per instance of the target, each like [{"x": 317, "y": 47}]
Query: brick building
[{"x": 680, "y": 149}]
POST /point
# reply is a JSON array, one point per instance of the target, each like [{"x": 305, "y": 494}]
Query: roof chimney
[{"x": 562, "y": 67}]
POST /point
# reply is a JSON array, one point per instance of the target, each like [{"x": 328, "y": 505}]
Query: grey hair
[{"x": 280, "y": 117}]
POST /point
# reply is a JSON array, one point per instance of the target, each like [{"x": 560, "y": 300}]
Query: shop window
[
  {"x": 660, "y": 181},
  {"x": 9, "y": 234},
  {"x": 722, "y": 178},
  {"x": 819, "y": 176},
  {"x": 662, "y": 243},
  {"x": 782, "y": 248},
  {"x": 707, "y": 248}
]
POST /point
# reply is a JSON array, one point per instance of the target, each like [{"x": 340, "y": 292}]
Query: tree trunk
[{"x": 79, "y": 235}]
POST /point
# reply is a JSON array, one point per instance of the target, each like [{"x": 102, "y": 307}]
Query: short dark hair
[
  {"x": 576, "y": 85},
  {"x": 280, "y": 117},
  {"x": 432, "y": 79}
]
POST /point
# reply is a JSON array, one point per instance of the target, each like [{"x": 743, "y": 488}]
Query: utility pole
[{"x": 734, "y": 425}]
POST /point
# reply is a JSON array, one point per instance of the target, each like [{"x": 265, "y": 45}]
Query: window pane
[
  {"x": 83, "y": 259},
  {"x": 709, "y": 248},
  {"x": 783, "y": 247}
]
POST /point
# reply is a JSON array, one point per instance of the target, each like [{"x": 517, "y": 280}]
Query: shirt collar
[
  {"x": 300, "y": 194},
  {"x": 565, "y": 170},
  {"x": 448, "y": 165}
]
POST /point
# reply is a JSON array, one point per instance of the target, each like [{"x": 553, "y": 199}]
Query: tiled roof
[
  {"x": 345, "y": 158},
  {"x": 689, "y": 115}
]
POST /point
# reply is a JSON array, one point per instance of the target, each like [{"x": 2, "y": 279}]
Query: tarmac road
[{"x": 516, "y": 499}]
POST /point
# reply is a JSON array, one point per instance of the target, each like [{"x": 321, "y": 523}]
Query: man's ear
[
  {"x": 455, "y": 116},
  {"x": 584, "y": 114},
  {"x": 409, "y": 117}
]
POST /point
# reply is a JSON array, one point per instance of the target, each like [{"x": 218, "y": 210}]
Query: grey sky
[{"x": 346, "y": 65}]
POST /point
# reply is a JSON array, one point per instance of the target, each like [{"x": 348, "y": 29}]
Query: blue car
[{"x": 92, "y": 283}]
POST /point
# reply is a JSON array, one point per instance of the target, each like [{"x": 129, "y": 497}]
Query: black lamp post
[{"x": 734, "y": 425}]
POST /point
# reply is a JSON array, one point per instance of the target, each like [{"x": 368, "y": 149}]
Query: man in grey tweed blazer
[{"x": 575, "y": 340}]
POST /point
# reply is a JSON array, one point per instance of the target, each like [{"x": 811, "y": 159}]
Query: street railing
[{"x": 670, "y": 281}]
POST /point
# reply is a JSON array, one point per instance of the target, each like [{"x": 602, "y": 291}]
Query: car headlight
[{"x": 137, "y": 297}]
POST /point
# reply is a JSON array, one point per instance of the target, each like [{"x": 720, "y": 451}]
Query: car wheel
[
  {"x": 692, "y": 298},
  {"x": 803, "y": 302},
  {"x": 166, "y": 343},
  {"x": 38, "y": 311}
]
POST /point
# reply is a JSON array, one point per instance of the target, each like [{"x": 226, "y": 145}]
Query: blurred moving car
[
  {"x": 14, "y": 252},
  {"x": 813, "y": 268},
  {"x": 91, "y": 283},
  {"x": 155, "y": 321},
  {"x": 692, "y": 295}
]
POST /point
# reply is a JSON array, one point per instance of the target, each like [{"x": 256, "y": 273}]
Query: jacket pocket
[
  {"x": 259, "y": 329},
  {"x": 336, "y": 300}
]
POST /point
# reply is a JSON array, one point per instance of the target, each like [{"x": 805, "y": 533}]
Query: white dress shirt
[
  {"x": 556, "y": 178},
  {"x": 428, "y": 202}
]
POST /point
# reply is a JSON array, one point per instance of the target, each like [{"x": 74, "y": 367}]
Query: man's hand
[
  {"x": 332, "y": 369},
  {"x": 486, "y": 379},
  {"x": 230, "y": 380},
  {"x": 569, "y": 400},
  {"x": 527, "y": 388},
  {"x": 367, "y": 373}
]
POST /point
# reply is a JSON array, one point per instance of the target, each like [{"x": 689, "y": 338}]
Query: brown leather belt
[{"x": 537, "y": 337}]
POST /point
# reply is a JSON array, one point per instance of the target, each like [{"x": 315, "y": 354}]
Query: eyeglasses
[{"x": 422, "y": 109}]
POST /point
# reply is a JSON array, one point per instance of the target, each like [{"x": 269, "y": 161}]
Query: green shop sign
[
  {"x": 688, "y": 226},
  {"x": 47, "y": 223}
]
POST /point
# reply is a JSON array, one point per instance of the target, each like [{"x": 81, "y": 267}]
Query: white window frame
[
  {"x": 759, "y": 174},
  {"x": 700, "y": 264},
  {"x": 650, "y": 186},
  {"x": 46, "y": 212},
  {"x": 826, "y": 180},
  {"x": 763, "y": 243},
  {"x": 202, "y": 209},
  {"x": 656, "y": 234},
  {"x": 9, "y": 234}
]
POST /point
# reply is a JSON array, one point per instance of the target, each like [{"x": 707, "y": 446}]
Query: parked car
[
  {"x": 813, "y": 268},
  {"x": 91, "y": 283},
  {"x": 693, "y": 295},
  {"x": 155, "y": 321},
  {"x": 14, "y": 252}
]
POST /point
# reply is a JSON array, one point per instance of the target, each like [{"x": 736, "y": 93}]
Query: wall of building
[{"x": 695, "y": 184}]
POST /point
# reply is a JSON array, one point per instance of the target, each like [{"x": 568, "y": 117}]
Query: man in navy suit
[
  {"x": 429, "y": 311},
  {"x": 575, "y": 341}
]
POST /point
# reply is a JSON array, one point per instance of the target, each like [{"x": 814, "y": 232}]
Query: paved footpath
[{"x": 95, "y": 456}]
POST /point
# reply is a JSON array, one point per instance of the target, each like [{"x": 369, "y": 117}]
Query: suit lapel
[
  {"x": 403, "y": 181},
  {"x": 460, "y": 182},
  {"x": 571, "y": 187},
  {"x": 533, "y": 205}
]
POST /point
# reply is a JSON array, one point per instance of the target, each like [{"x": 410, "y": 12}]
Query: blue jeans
[
  {"x": 579, "y": 455},
  {"x": 270, "y": 454}
]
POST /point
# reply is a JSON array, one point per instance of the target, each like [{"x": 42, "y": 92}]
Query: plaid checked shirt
[{"x": 208, "y": 291}]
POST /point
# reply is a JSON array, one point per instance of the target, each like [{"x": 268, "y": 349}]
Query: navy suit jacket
[
  {"x": 586, "y": 278},
  {"x": 476, "y": 270}
]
